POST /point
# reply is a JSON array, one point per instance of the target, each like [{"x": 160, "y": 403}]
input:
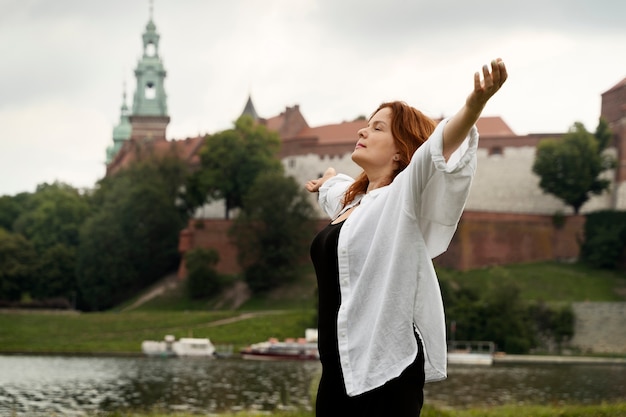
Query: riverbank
[
  {"x": 121, "y": 334},
  {"x": 553, "y": 359},
  {"x": 497, "y": 360}
]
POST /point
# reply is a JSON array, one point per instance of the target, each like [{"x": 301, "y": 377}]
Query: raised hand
[{"x": 491, "y": 82}]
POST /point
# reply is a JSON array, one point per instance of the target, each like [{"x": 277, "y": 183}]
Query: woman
[{"x": 381, "y": 321}]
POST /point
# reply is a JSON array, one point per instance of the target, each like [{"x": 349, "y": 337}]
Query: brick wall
[
  {"x": 482, "y": 239},
  {"x": 209, "y": 234}
]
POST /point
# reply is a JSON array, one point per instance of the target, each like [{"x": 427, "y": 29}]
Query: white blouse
[{"x": 387, "y": 280}]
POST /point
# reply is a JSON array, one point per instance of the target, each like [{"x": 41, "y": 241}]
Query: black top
[{"x": 324, "y": 257}]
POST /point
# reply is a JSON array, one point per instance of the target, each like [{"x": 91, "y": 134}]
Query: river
[{"x": 73, "y": 386}]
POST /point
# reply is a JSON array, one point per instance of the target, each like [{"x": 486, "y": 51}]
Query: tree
[
  {"x": 10, "y": 209},
  {"x": 56, "y": 273},
  {"x": 202, "y": 278},
  {"x": 17, "y": 257},
  {"x": 570, "y": 168},
  {"x": 50, "y": 219},
  {"x": 273, "y": 231},
  {"x": 230, "y": 162},
  {"x": 131, "y": 240},
  {"x": 53, "y": 215}
]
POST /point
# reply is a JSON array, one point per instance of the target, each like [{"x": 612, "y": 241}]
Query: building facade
[{"x": 504, "y": 190}]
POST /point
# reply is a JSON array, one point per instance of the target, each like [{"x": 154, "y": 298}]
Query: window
[{"x": 150, "y": 92}]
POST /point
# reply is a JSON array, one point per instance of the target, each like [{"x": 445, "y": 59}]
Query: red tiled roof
[
  {"x": 186, "y": 150},
  {"x": 493, "y": 126},
  {"x": 616, "y": 86},
  {"x": 337, "y": 133},
  {"x": 347, "y": 131},
  {"x": 275, "y": 123},
  {"x": 332, "y": 134}
]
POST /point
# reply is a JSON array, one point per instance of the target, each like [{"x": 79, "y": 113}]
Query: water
[{"x": 74, "y": 386}]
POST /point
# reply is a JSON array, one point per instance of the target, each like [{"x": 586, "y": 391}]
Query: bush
[
  {"x": 202, "y": 278},
  {"x": 605, "y": 239}
]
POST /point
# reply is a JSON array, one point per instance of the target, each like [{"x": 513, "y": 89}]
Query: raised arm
[{"x": 459, "y": 125}]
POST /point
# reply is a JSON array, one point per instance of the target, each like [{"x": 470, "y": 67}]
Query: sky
[{"x": 64, "y": 65}]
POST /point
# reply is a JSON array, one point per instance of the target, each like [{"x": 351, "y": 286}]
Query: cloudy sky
[{"x": 64, "y": 64}]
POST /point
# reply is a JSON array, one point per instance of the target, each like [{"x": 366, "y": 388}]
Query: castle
[{"x": 508, "y": 218}]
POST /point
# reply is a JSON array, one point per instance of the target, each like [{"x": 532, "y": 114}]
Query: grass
[
  {"x": 549, "y": 281},
  {"x": 282, "y": 313},
  {"x": 122, "y": 333}
]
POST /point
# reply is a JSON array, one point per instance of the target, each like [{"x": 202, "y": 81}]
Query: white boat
[
  {"x": 470, "y": 353},
  {"x": 304, "y": 348},
  {"x": 185, "y": 346}
]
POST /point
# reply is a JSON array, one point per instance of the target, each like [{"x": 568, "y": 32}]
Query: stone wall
[
  {"x": 503, "y": 183},
  {"x": 600, "y": 327}
]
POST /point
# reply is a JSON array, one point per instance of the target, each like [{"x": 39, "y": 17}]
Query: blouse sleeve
[
  {"x": 331, "y": 194},
  {"x": 438, "y": 189}
]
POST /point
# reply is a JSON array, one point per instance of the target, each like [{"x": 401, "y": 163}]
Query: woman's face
[{"x": 375, "y": 149}]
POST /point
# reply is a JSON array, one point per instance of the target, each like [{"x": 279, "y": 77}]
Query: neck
[{"x": 377, "y": 182}]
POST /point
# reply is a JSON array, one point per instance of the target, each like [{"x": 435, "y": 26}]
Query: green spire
[
  {"x": 121, "y": 132},
  {"x": 150, "y": 97}
]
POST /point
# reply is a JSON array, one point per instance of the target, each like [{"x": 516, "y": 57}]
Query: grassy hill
[
  {"x": 549, "y": 281},
  {"x": 285, "y": 312}
]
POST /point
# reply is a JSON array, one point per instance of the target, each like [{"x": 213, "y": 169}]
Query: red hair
[{"x": 409, "y": 128}]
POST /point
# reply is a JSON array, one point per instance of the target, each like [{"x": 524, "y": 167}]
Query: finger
[
  {"x": 487, "y": 77},
  {"x": 503, "y": 72},
  {"x": 495, "y": 73},
  {"x": 477, "y": 85}
]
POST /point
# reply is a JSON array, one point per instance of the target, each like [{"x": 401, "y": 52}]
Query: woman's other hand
[{"x": 314, "y": 185}]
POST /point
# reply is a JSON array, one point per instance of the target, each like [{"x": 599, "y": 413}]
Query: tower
[
  {"x": 249, "y": 110},
  {"x": 121, "y": 132},
  {"x": 614, "y": 112},
  {"x": 149, "y": 117}
]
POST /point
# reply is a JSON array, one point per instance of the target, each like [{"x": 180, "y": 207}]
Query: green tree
[
  {"x": 605, "y": 239},
  {"x": 131, "y": 240},
  {"x": 17, "y": 259},
  {"x": 50, "y": 219},
  {"x": 571, "y": 168},
  {"x": 10, "y": 209},
  {"x": 202, "y": 278},
  {"x": 53, "y": 215},
  {"x": 56, "y": 273},
  {"x": 273, "y": 231},
  {"x": 230, "y": 162}
]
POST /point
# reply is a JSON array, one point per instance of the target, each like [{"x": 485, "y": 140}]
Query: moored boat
[
  {"x": 471, "y": 353},
  {"x": 185, "y": 346},
  {"x": 304, "y": 348}
]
